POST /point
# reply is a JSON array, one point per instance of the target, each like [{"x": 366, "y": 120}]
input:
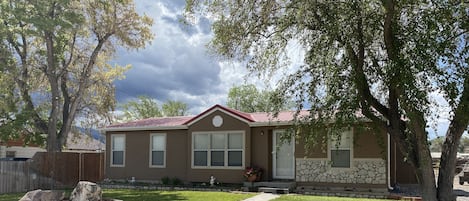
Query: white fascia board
[
  {"x": 271, "y": 123},
  {"x": 142, "y": 128}
]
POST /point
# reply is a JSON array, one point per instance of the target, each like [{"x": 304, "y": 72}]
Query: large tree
[
  {"x": 146, "y": 107},
  {"x": 385, "y": 59},
  {"x": 57, "y": 54},
  {"x": 174, "y": 108},
  {"x": 142, "y": 108},
  {"x": 248, "y": 98}
]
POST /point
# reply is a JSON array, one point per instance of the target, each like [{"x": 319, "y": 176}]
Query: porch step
[
  {"x": 277, "y": 187},
  {"x": 276, "y": 184},
  {"x": 274, "y": 190}
]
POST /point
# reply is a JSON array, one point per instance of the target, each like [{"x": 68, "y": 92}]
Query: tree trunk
[
  {"x": 425, "y": 174},
  {"x": 447, "y": 168},
  {"x": 453, "y": 136}
]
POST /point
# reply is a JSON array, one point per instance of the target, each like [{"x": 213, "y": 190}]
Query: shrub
[
  {"x": 165, "y": 180},
  {"x": 176, "y": 181}
]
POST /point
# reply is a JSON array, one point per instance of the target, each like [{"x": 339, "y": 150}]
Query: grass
[
  {"x": 320, "y": 198},
  {"x": 148, "y": 195},
  {"x": 11, "y": 196}
]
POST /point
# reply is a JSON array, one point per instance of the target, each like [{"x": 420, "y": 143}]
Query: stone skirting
[{"x": 363, "y": 171}]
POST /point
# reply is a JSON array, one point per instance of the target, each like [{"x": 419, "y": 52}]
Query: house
[
  {"x": 76, "y": 142},
  {"x": 16, "y": 149},
  {"x": 221, "y": 142}
]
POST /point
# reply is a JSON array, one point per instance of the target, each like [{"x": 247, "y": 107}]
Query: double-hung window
[
  {"x": 218, "y": 149},
  {"x": 118, "y": 150},
  {"x": 341, "y": 150},
  {"x": 158, "y": 150}
]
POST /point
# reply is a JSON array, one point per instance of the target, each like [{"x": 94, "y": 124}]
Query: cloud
[{"x": 176, "y": 66}]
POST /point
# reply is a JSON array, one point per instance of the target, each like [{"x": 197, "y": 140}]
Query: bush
[
  {"x": 176, "y": 181},
  {"x": 165, "y": 180}
]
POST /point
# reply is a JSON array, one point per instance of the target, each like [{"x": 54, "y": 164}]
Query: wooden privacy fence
[{"x": 50, "y": 171}]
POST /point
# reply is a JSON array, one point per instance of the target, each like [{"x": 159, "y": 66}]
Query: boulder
[
  {"x": 86, "y": 191},
  {"x": 43, "y": 195}
]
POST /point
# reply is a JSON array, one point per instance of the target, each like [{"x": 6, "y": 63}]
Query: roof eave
[
  {"x": 271, "y": 123},
  {"x": 143, "y": 128}
]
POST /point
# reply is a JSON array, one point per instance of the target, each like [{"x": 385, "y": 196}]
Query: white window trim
[
  {"x": 151, "y": 150},
  {"x": 225, "y": 167},
  {"x": 112, "y": 151},
  {"x": 330, "y": 147}
]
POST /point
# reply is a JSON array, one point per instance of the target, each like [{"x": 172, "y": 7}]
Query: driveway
[{"x": 462, "y": 191}]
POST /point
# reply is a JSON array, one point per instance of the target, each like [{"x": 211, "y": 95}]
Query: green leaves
[
  {"x": 58, "y": 53},
  {"x": 145, "y": 107},
  {"x": 248, "y": 98}
]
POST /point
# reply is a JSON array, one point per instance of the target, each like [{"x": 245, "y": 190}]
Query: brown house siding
[
  {"x": 368, "y": 144},
  {"x": 401, "y": 172},
  {"x": 318, "y": 151},
  {"x": 261, "y": 152},
  {"x": 223, "y": 175},
  {"x": 137, "y": 156}
]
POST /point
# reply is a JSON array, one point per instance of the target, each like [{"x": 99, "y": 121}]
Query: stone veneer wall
[{"x": 363, "y": 171}]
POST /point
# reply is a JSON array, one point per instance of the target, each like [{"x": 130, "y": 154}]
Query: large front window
[
  {"x": 218, "y": 149},
  {"x": 341, "y": 150},
  {"x": 117, "y": 150}
]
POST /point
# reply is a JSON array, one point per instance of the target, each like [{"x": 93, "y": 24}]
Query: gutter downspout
[{"x": 389, "y": 163}]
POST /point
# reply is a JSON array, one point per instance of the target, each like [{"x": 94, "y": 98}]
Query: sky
[{"x": 177, "y": 65}]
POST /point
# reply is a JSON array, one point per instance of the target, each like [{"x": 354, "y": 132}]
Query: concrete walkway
[{"x": 263, "y": 197}]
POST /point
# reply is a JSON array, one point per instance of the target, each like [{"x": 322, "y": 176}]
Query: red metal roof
[
  {"x": 258, "y": 117},
  {"x": 158, "y": 121}
]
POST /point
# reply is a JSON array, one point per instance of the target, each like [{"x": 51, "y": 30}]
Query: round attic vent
[{"x": 217, "y": 121}]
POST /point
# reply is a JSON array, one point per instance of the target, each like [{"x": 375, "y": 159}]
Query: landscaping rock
[
  {"x": 43, "y": 195},
  {"x": 86, "y": 191}
]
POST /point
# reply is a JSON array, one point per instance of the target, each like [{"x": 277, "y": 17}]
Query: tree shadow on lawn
[
  {"x": 136, "y": 195},
  {"x": 460, "y": 192}
]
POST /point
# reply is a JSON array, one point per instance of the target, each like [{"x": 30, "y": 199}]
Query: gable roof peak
[{"x": 246, "y": 117}]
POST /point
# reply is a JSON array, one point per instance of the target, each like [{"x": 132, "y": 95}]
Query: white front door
[{"x": 283, "y": 155}]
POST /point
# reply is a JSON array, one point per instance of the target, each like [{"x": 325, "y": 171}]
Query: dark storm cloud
[{"x": 175, "y": 66}]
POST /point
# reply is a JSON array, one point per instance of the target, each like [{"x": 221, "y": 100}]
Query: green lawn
[
  {"x": 11, "y": 196},
  {"x": 149, "y": 195},
  {"x": 320, "y": 198}
]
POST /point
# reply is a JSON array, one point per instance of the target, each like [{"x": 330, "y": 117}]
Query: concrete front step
[{"x": 270, "y": 187}]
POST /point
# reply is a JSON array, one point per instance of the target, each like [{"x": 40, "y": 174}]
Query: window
[
  {"x": 220, "y": 149},
  {"x": 341, "y": 150},
  {"x": 117, "y": 150},
  {"x": 10, "y": 154},
  {"x": 158, "y": 150}
]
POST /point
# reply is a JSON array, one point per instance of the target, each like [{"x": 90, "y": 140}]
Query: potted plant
[{"x": 252, "y": 173}]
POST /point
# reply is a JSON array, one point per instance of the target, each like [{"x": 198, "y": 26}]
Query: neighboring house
[
  {"x": 75, "y": 143},
  {"x": 83, "y": 143},
  {"x": 17, "y": 149},
  {"x": 221, "y": 142}
]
